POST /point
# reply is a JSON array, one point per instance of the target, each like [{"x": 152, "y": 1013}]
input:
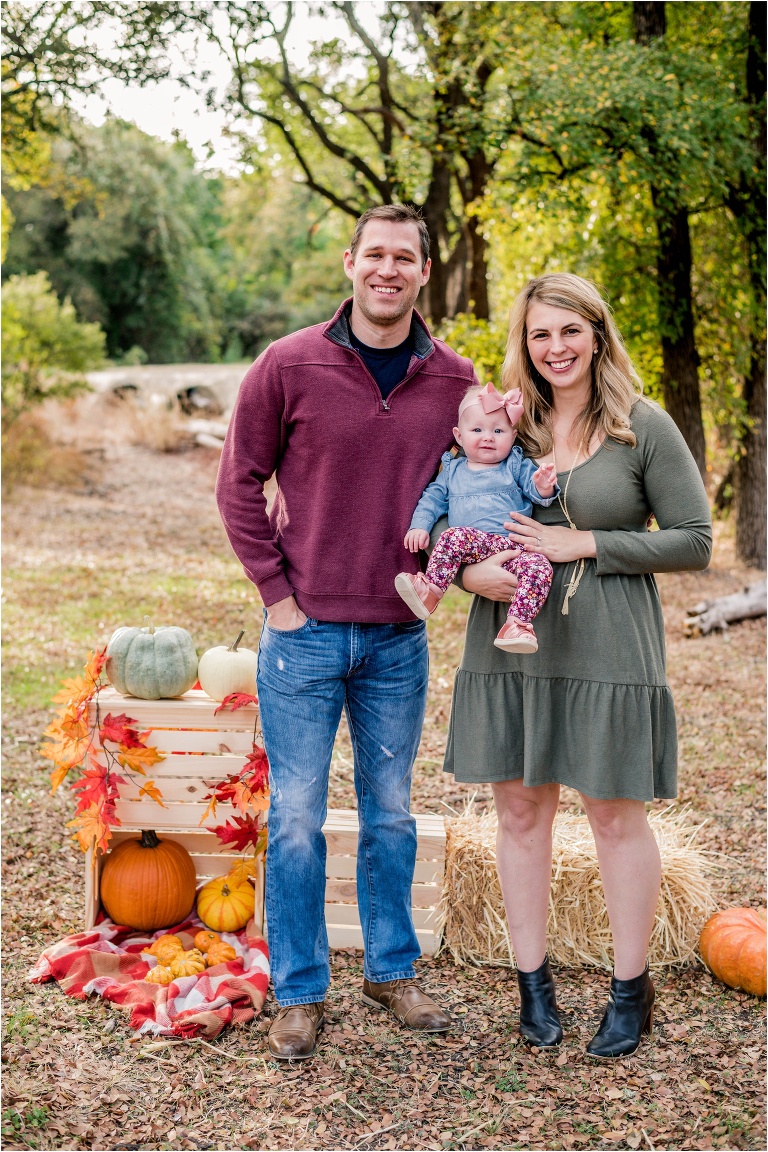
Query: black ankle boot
[
  {"x": 628, "y": 1015},
  {"x": 539, "y": 1021}
]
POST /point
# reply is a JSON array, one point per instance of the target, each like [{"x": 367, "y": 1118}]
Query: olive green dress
[{"x": 591, "y": 709}]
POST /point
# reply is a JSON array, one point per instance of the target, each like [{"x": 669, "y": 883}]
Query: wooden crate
[
  {"x": 341, "y": 912},
  {"x": 199, "y": 750}
]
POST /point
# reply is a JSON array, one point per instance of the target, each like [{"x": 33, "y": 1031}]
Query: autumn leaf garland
[
  {"x": 115, "y": 741},
  {"x": 72, "y": 740},
  {"x": 246, "y": 790}
]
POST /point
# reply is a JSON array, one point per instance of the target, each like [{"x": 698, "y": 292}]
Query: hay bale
[{"x": 471, "y": 911}]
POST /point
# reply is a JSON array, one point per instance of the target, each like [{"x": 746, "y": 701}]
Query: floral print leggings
[{"x": 458, "y": 546}]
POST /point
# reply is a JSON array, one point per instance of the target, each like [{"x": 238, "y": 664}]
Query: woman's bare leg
[
  {"x": 630, "y": 869},
  {"x": 524, "y": 864}
]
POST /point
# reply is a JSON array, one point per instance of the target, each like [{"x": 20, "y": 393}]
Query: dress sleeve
[
  {"x": 676, "y": 496},
  {"x": 434, "y": 501}
]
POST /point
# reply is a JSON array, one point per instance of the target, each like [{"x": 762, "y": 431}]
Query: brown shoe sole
[{"x": 377, "y": 1004}]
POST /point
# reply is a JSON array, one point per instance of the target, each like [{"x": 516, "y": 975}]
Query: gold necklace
[{"x": 562, "y": 499}]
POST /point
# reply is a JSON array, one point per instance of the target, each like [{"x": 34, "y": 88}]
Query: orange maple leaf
[
  {"x": 58, "y": 775},
  {"x": 94, "y": 664},
  {"x": 65, "y": 751},
  {"x": 243, "y": 798},
  {"x": 75, "y": 691},
  {"x": 210, "y": 810},
  {"x": 151, "y": 789},
  {"x": 139, "y": 759},
  {"x": 91, "y": 829},
  {"x": 242, "y": 870}
]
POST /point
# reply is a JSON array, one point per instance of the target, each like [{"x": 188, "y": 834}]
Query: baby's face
[{"x": 486, "y": 437}]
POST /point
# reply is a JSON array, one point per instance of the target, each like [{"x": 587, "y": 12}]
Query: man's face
[{"x": 386, "y": 271}]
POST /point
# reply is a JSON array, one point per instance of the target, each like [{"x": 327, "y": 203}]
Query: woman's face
[{"x": 561, "y": 345}]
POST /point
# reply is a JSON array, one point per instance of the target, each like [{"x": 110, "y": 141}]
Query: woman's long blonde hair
[{"x": 616, "y": 385}]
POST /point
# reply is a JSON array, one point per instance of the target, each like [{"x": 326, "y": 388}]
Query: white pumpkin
[{"x": 225, "y": 670}]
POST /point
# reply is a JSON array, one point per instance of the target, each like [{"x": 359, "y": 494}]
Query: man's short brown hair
[{"x": 398, "y": 214}]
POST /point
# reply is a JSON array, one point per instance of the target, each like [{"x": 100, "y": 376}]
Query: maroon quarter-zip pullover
[{"x": 350, "y": 468}]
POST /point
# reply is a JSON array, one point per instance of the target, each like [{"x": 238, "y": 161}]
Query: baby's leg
[
  {"x": 534, "y": 578},
  {"x": 457, "y": 546}
]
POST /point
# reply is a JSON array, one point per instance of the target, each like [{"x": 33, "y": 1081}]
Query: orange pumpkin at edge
[
  {"x": 149, "y": 883},
  {"x": 733, "y": 946}
]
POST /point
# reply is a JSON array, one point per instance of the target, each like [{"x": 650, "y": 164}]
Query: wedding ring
[{"x": 538, "y": 539}]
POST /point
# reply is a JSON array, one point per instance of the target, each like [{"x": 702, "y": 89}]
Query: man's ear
[
  {"x": 349, "y": 265},
  {"x": 425, "y": 272}
]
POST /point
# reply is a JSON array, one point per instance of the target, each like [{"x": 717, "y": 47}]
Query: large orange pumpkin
[
  {"x": 224, "y": 905},
  {"x": 733, "y": 947},
  {"x": 148, "y": 883}
]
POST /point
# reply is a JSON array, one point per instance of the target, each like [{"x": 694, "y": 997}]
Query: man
[{"x": 351, "y": 417}]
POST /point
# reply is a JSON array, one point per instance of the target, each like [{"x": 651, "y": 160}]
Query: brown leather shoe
[
  {"x": 406, "y": 1001},
  {"x": 293, "y": 1032}
]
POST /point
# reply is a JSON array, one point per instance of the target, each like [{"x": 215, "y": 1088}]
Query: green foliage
[
  {"x": 128, "y": 229},
  {"x": 481, "y": 340},
  {"x": 45, "y": 347}
]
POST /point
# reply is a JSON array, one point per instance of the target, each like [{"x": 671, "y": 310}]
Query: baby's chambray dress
[{"x": 592, "y": 708}]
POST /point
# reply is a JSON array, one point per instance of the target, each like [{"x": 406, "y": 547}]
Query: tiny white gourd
[{"x": 225, "y": 670}]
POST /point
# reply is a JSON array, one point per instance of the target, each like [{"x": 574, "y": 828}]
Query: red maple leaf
[
  {"x": 117, "y": 729},
  {"x": 236, "y": 700},
  {"x": 257, "y": 766},
  {"x": 97, "y": 786},
  {"x": 244, "y": 833}
]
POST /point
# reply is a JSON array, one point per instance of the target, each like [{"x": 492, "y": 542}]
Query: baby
[{"x": 478, "y": 491}]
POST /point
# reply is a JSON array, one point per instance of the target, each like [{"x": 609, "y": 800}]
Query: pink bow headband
[{"x": 491, "y": 401}]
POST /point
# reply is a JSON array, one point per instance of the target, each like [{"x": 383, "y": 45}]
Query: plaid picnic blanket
[{"x": 107, "y": 961}]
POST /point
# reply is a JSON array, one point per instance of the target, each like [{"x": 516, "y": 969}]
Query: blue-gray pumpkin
[{"x": 151, "y": 663}]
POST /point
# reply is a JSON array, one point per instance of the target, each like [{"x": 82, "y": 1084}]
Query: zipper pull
[{"x": 385, "y": 406}]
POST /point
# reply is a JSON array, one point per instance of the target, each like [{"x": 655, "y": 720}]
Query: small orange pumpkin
[
  {"x": 733, "y": 946},
  {"x": 225, "y": 905},
  {"x": 163, "y": 940},
  {"x": 220, "y": 953},
  {"x": 190, "y": 963},
  {"x": 159, "y": 975},
  {"x": 204, "y": 939},
  {"x": 148, "y": 883}
]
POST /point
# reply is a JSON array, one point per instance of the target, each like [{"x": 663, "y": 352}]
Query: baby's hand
[
  {"x": 416, "y": 539},
  {"x": 545, "y": 479}
]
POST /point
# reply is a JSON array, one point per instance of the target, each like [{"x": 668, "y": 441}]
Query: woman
[{"x": 591, "y": 709}]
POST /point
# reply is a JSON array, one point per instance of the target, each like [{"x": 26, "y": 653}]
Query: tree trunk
[
  {"x": 680, "y": 360},
  {"x": 434, "y": 295},
  {"x": 650, "y": 20},
  {"x": 479, "y": 174},
  {"x": 750, "y": 485}
]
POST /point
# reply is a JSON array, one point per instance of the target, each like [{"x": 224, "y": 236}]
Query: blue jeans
[{"x": 378, "y": 674}]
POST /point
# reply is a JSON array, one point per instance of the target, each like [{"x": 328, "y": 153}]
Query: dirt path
[{"x": 142, "y": 531}]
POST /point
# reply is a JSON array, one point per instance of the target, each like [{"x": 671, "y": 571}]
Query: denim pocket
[
  {"x": 308, "y": 623},
  {"x": 410, "y": 626}
]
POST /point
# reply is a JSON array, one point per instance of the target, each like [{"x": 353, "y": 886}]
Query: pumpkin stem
[
  {"x": 150, "y": 627},
  {"x": 149, "y": 839},
  {"x": 225, "y": 890},
  {"x": 233, "y": 647}
]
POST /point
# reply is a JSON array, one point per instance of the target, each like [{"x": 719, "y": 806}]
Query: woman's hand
[
  {"x": 559, "y": 545},
  {"x": 489, "y": 579}
]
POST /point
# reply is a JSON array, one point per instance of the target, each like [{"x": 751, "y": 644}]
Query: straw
[{"x": 471, "y": 910}]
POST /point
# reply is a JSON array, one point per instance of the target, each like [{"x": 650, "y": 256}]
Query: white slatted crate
[
  {"x": 341, "y": 912},
  {"x": 201, "y": 749}
]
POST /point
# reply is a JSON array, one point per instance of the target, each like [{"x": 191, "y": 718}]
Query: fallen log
[{"x": 711, "y": 615}]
